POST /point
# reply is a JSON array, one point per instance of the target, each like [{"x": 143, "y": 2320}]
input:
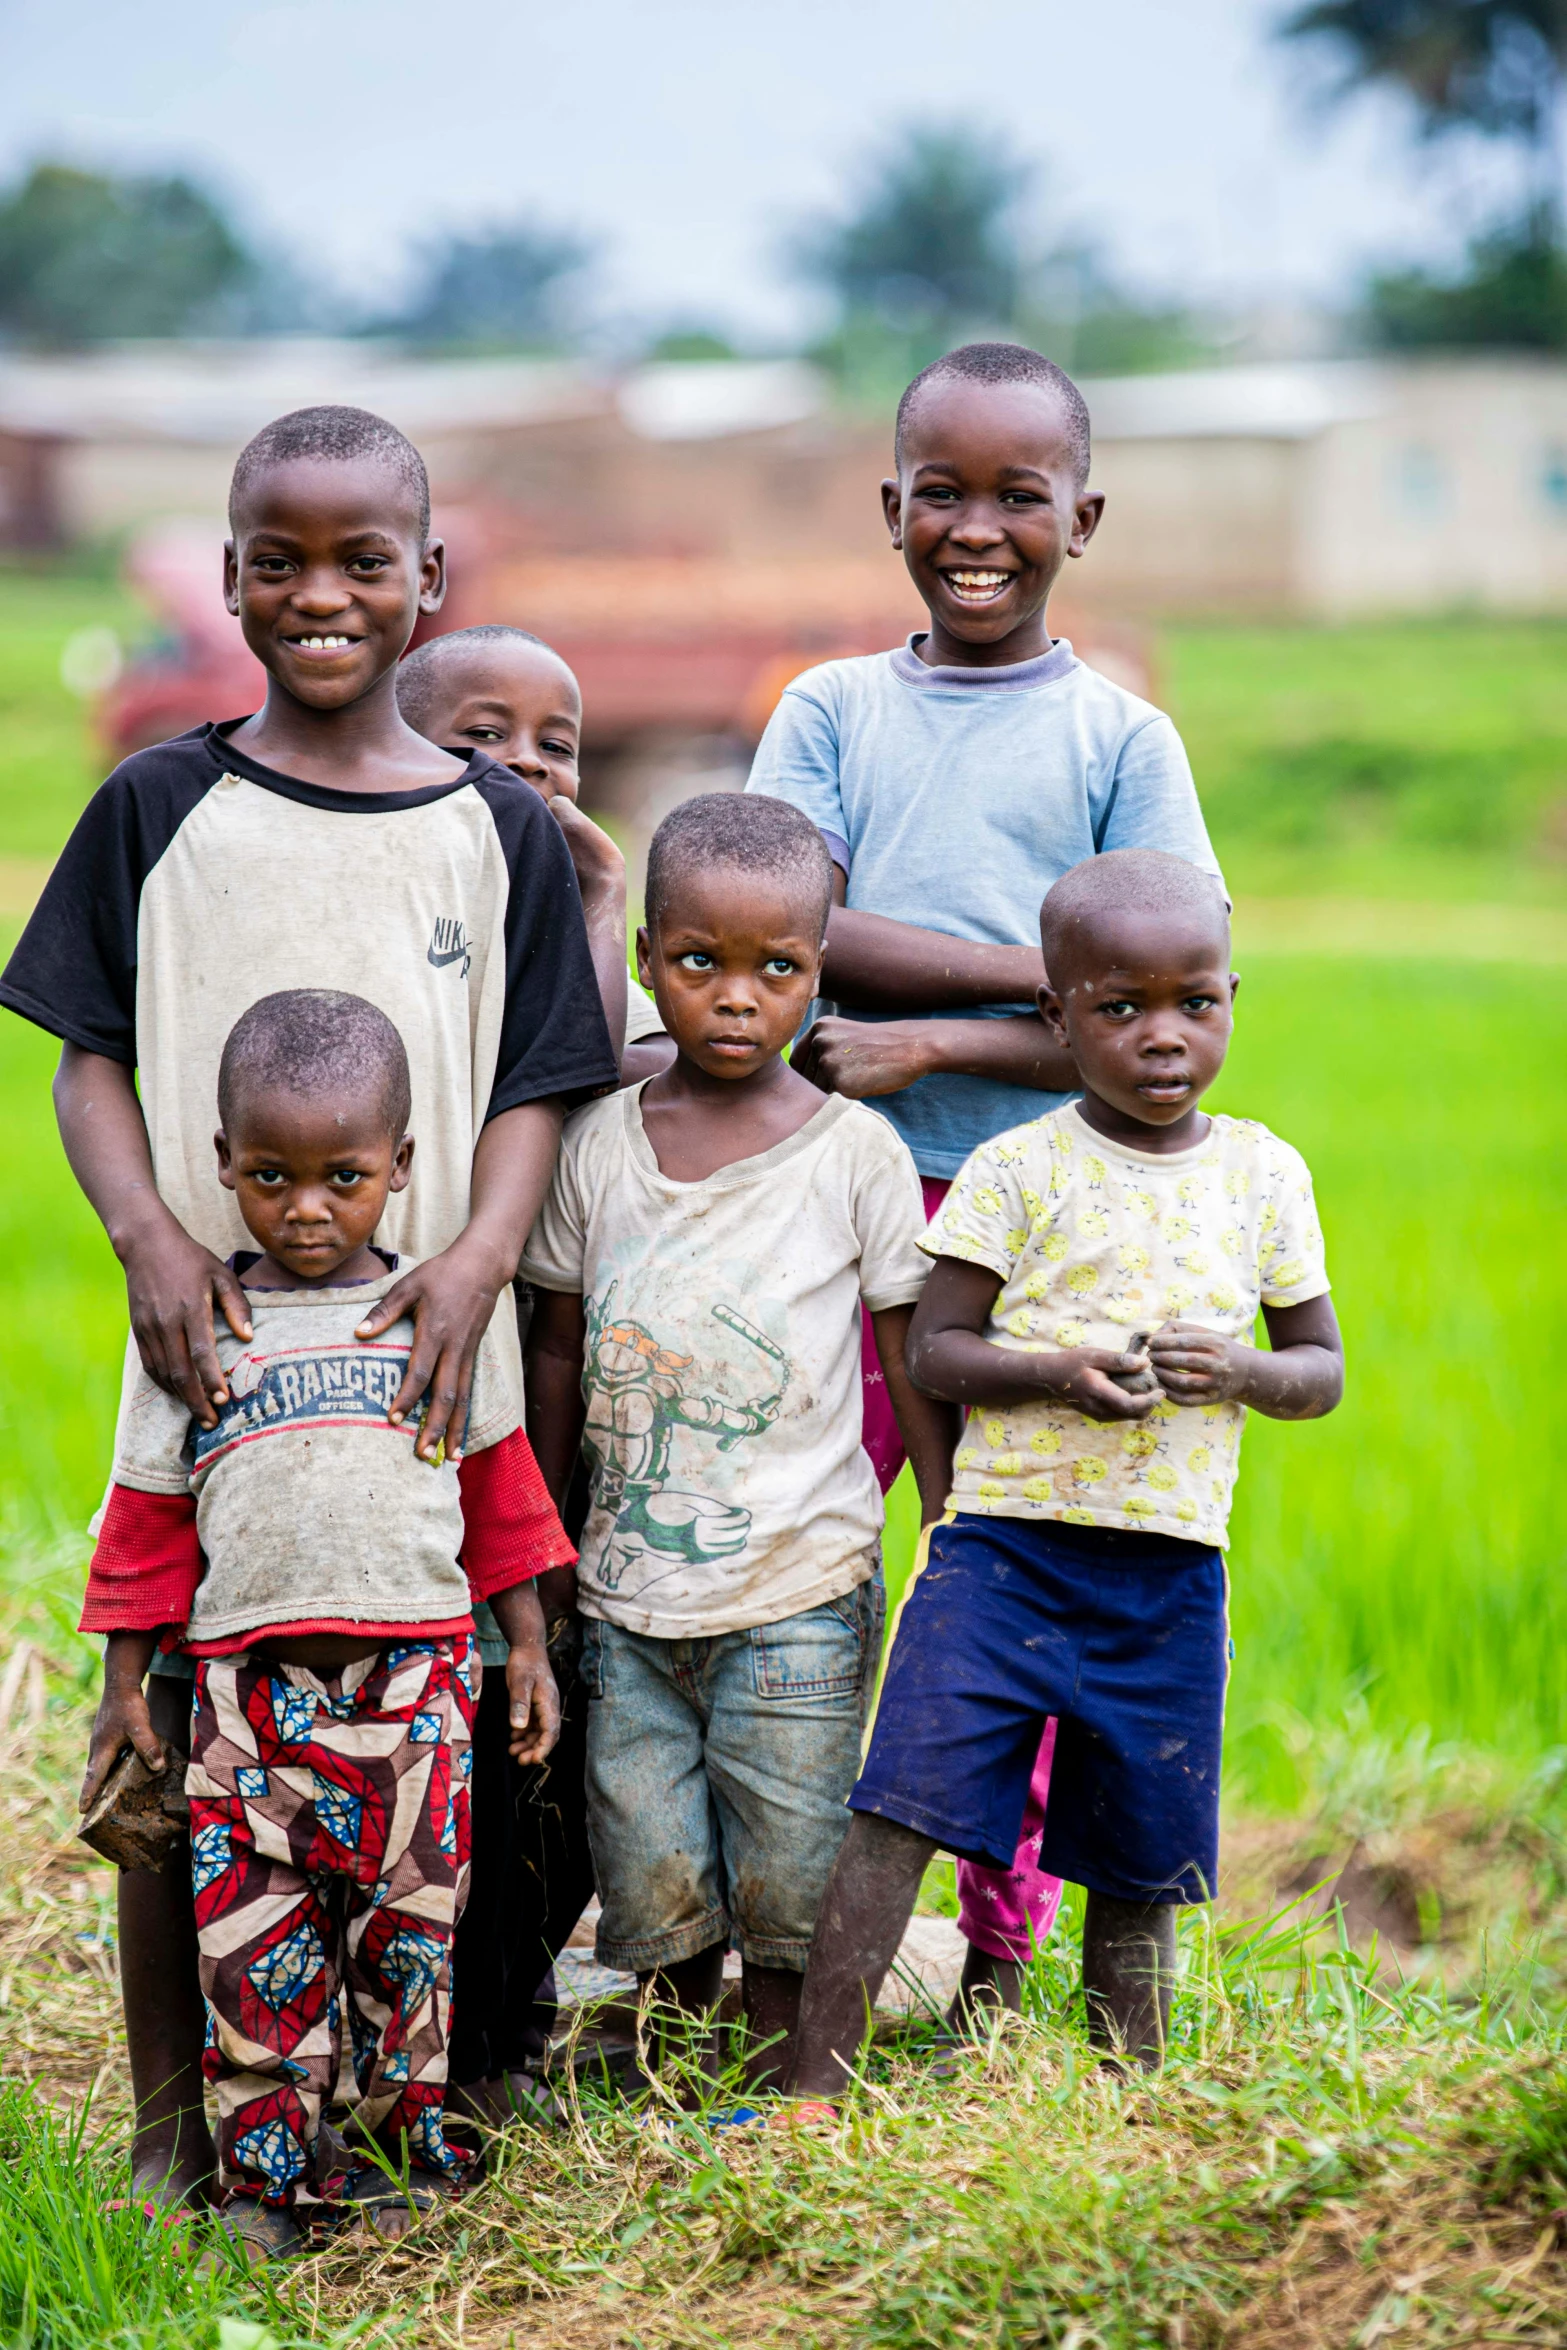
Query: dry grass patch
[{"x": 1334, "y": 2157}]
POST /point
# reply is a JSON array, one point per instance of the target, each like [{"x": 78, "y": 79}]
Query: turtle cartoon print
[{"x": 640, "y": 1392}]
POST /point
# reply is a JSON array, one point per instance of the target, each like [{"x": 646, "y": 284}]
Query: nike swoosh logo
[{"x": 455, "y": 956}]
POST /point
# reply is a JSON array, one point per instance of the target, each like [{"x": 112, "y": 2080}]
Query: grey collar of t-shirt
[{"x": 1014, "y": 677}]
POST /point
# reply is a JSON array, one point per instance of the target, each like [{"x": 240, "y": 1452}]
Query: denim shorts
[{"x": 717, "y": 1775}]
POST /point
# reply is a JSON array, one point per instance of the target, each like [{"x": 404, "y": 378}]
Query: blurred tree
[
  {"x": 85, "y": 257},
  {"x": 496, "y": 291},
  {"x": 1492, "y": 67},
  {"x": 691, "y": 342},
  {"x": 933, "y": 250},
  {"x": 1511, "y": 295},
  {"x": 931, "y": 246}
]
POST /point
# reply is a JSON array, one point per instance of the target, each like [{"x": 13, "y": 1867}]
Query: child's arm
[
  {"x": 874, "y": 964},
  {"x": 452, "y": 1296},
  {"x": 863, "y": 1057},
  {"x": 557, "y": 1336},
  {"x": 930, "y": 1429},
  {"x": 122, "y": 1718},
  {"x": 949, "y": 1357},
  {"x": 171, "y": 1281},
  {"x": 530, "y": 1685},
  {"x": 143, "y": 1575},
  {"x": 601, "y": 877},
  {"x": 1302, "y": 1378}
]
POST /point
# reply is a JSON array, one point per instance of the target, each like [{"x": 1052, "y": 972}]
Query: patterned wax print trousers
[{"x": 330, "y": 1840}]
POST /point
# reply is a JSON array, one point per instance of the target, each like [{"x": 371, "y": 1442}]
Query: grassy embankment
[{"x": 1396, "y": 1592}]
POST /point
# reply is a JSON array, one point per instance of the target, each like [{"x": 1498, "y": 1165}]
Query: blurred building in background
[
  {"x": 692, "y": 533},
  {"x": 1334, "y": 489}
]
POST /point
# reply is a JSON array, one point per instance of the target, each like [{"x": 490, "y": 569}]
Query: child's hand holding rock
[{"x": 1197, "y": 1366}]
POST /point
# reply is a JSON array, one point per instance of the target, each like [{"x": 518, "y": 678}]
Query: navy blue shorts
[{"x": 1124, "y": 1637}]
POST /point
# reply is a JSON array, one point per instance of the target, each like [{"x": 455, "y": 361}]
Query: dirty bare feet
[
  {"x": 1128, "y": 1977},
  {"x": 988, "y": 1983},
  {"x": 679, "y": 2002},
  {"x": 770, "y": 1997},
  {"x": 869, "y": 1900}
]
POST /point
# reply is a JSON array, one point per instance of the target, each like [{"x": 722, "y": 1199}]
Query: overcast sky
[{"x": 690, "y": 135}]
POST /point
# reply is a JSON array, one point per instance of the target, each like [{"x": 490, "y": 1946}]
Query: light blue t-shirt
[{"x": 953, "y": 798}]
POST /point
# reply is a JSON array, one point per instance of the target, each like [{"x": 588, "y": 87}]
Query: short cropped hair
[
  {"x": 339, "y": 435},
  {"x": 1122, "y": 882},
  {"x": 418, "y": 673},
  {"x": 313, "y": 1041},
  {"x": 748, "y": 832},
  {"x": 1005, "y": 363}
]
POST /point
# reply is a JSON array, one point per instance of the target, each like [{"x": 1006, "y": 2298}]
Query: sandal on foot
[
  {"x": 162, "y": 2216},
  {"x": 805, "y": 2113},
  {"x": 263, "y": 2231},
  {"x": 371, "y": 2192}
]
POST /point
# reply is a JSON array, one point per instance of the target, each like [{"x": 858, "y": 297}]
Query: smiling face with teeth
[
  {"x": 328, "y": 571},
  {"x": 986, "y": 508}
]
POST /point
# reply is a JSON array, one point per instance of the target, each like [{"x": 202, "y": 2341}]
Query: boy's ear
[
  {"x": 644, "y": 959},
  {"x": 1053, "y": 1013},
  {"x": 892, "y": 508},
  {"x": 231, "y": 578},
  {"x": 402, "y": 1165},
  {"x": 1086, "y": 515},
  {"x": 432, "y": 576},
  {"x": 220, "y": 1143}
]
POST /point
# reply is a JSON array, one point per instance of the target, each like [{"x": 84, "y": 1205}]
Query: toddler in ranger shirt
[{"x": 323, "y": 1576}]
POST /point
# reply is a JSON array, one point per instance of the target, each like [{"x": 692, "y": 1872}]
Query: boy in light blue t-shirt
[{"x": 954, "y": 780}]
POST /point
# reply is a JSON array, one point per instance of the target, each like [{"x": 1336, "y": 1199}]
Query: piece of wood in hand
[{"x": 141, "y": 1819}]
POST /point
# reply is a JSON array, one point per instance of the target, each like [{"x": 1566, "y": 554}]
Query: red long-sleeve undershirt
[{"x": 148, "y": 1559}]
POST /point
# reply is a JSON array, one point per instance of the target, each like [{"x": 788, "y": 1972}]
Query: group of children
[{"x": 455, "y": 1601}]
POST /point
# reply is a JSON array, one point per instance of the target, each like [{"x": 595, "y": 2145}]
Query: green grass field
[
  {"x": 1421, "y": 760},
  {"x": 1410, "y": 1547},
  {"x": 1408, "y": 1550},
  {"x": 1332, "y": 2156},
  {"x": 49, "y": 764}
]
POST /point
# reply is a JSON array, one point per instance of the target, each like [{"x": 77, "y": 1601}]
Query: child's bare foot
[
  {"x": 771, "y": 2005},
  {"x": 988, "y": 1983},
  {"x": 173, "y": 2179}
]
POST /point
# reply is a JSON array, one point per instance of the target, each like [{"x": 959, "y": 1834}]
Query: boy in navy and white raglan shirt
[
  {"x": 319, "y": 843},
  {"x": 954, "y": 780}
]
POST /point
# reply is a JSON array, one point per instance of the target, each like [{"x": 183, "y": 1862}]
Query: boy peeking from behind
[
  {"x": 322, "y": 1575},
  {"x": 1097, "y": 1277},
  {"x": 507, "y": 693}
]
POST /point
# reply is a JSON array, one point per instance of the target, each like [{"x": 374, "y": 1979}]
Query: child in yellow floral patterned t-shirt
[{"x": 1098, "y": 1275}]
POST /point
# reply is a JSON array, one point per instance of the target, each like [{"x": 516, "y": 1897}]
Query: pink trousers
[{"x": 1007, "y": 1912}]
